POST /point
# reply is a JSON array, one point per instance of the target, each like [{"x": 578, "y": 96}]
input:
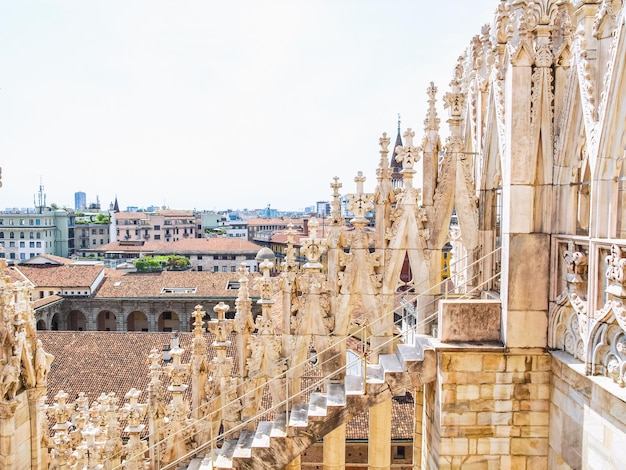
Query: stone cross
[
  {"x": 313, "y": 247},
  {"x": 198, "y": 316},
  {"x": 265, "y": 283},
  {"x": 221, "y": 327},
  {"x": 360, "y": 203},
  {"x": 409, "y": 154}
]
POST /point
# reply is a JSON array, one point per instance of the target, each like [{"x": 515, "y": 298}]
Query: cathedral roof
[{"x": 94, "y": 362}]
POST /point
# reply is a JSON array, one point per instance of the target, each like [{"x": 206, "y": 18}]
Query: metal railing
[{"x": 319, "y": 383}]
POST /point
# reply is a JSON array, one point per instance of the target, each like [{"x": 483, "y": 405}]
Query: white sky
[{"x": 215, "y": 104}]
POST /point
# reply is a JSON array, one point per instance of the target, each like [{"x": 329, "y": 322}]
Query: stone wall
[
  {"x": 17, "y": 447},
  {"x": 492, "y": 407},
  {"x": 587, "y": 418}
]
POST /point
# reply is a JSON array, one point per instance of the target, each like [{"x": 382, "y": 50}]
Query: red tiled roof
[
  {"x": 151, "y": 285},
  {"x": 61, "y": 276},
  {"x": 96, "y": 362},
  {"x": 46, "y": 301},
  {"x": 40, "y": 259}
]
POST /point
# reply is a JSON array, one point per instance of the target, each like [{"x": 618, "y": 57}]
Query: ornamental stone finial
[
  {"x": 360, "y": 203},
  {"x": 312, "y": 246}
]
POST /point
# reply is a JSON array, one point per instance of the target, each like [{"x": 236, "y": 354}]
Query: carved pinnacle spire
[
  {"x": 431, "y": 123},
  {"x": 335, "y": 204}
]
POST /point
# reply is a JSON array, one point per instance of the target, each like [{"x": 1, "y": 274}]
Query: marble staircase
[{"x": 275, "y": 443}]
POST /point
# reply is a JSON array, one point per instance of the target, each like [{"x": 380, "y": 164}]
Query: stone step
[
  {"x": 243, "y": 449},
  {"x": 279, "y": 429},
  {"x": 390, "y": 363},
  {"x": 354, "y": 385},
  {"x": 409, "y": 354},
  {"x": 317, "y": 404},
  {"x": 298, "y": 418},
  {"x": 375, "y": 374},
  {"x": 225, "y": 456},
  {"x": 262, "y": 434},
  {"x": 335, "y": 394}
]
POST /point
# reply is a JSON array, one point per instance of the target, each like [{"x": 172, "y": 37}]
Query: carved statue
[
  {"x": 10, "y": 378},
  {"x": 43, "y": 360}
]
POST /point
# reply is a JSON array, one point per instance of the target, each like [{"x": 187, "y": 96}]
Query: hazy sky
[{"x": 214, "y": 105}]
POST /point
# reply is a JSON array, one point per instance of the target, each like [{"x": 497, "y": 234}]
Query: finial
[{"x": 398, "y": 123}]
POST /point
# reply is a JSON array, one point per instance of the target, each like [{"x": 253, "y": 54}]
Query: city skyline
[{"x": 212, "y": 106}]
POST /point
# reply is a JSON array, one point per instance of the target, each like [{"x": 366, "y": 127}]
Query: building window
[
  {"x": 22, "y": 245},
  {"x": 37, "y": 221},
  {"x": 1, "y": 234},
  {"x": 31, "y": 244},
  {"x": 216, "y": 269},
  {"x": 38, "y": 244},
  {"x": 399, "y": 452},
  {"x": 199, "y": 268},
  {"x": 157, "y": 237},
  {"x": 31, "y": 222},
  {"x": 233, "y": 269},
  {"x": 38, "y": 235},
  {"x": 22, "y": 235},
  {"x": 11, "y": 235},
  {"x": 167, "y": 315},
  {"x": 178, "y": 290},
  {"x": 157, "y": 227},
  {"x": 11, "y": 244},
  {"x": 224, "y": 269},
  {"x": 23, "y": 256}
]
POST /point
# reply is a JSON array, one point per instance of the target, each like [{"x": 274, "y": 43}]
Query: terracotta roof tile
[
  {"x": 151, "y": 285},
  {"x": 96, "y": 362},
  {"x": 62, "y": 276}
]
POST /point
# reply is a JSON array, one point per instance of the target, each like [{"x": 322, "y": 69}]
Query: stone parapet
[
  {"x": 587, "y": 418},
  {"x": 491, "y": 409},
  {"x": 470, "y": 321}
]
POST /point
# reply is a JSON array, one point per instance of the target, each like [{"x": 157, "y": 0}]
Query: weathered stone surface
[{"x": 469, "y": 321}]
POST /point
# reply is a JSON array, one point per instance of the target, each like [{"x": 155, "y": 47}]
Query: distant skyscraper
[{"x": 80, "y": 201}]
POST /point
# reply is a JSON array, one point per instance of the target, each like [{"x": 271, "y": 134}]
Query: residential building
[
  {"x": 205, "y": 254},
  {"x": 25, "y": 234},
  {"x": 263, "y": 228}
]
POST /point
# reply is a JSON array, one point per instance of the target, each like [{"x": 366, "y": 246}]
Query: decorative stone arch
[
  {"x": 564, "y": 330},
  {"x": 41, "y": 325},
  {"x": 106, "y": 320},
  {"x": 76, "y": 321},
  {"x": 55, "y": 321},
  {"x": 137, "y": 321},
  {"x": 168, "y": 321}
]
